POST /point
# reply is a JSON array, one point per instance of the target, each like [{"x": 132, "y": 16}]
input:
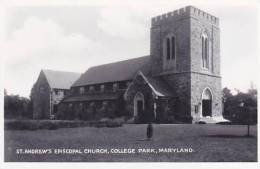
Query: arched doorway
[
  {"x": 206, "y": 105},
  {"x": 138, "y": 105}
]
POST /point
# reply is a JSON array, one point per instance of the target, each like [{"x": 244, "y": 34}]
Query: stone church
[
  {"x": 49, "y": 90},
  {"x": 179, "y": 81}
]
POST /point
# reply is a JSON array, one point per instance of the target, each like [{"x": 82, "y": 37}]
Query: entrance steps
[{"x": 210, "y": 120}]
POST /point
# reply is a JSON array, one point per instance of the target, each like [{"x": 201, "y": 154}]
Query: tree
[
  {"x": 232, "y": 110},
  {"x": 17, "y": 107}
]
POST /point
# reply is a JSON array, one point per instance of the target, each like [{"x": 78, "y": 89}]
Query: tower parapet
[{"x": 182, "y": 13}]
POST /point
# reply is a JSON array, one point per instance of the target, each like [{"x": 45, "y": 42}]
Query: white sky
[{"x": 74, "y": 36}]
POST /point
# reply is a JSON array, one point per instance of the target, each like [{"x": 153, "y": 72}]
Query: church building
[
  {"x": 179, "y": 81},
  {"x": 49, "y": 90}
]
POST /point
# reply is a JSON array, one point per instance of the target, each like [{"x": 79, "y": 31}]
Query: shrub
[
  {"x": 118, "y": 122},
  {"x": 20, "y": 125},
  {"x": 170, "y": 120},
  {"x": 201, "y": 122},
  {"x": 53, "y": 126}
]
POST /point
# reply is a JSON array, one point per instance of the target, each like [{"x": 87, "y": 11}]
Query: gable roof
[
  {"x": 60, "y": 79},
  {"x": 157, "y": 84},
  {"x": 112, "y": 72}
]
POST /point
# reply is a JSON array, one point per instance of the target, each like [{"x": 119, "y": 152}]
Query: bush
[
  {"x": 170, "y": 120},
  {"x": 115, "y": 122},
  {"x": 20, "y": 125},
  {"x": 224, "y": 123},
  {"x": 106, "y": 122},
  {"x": 53, "y": 126},
  {"x": 201, "y": 122},
  {"x": 42, "y": 124}
]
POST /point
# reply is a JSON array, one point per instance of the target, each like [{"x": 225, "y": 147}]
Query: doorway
[
  {"x": 139, "y": 107},
  {"x": 207, "y": 103}
]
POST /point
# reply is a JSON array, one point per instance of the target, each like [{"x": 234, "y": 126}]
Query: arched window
[
  {"x": 170, "y": 48},
  {"x": 168, "y": 41},
  {"x": 173, "y": 47},
  {"x": 205, "y": 51}
]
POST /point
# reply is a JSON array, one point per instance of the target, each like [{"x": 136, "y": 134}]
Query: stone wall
[
  {"x": 140, "y": 86},
  {"x": 202, "y": 78},
  {"x": 180, "y": 29},
  {"x": 41, "y": 98},
  {"x": 199, "y": 82},
  {"x": 180, "y": 84},
  {"x": 198, "y": 27}
]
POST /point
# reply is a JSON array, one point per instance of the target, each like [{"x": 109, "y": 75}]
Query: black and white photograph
[{"x": 130, "y": 81}]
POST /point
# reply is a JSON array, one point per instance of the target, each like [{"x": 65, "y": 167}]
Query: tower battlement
[{"x": 188, "y": 11}]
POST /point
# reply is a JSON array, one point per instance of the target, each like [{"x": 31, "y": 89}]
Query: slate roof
[
  {"x": 160, "y": 86},
  {"x": 93, "y": 97},
  {"x": 60, "y": 79},
  {"x": 112, "y": 72}
]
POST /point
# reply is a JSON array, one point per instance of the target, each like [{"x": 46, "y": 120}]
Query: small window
[
  {"x": 122, "y": 85},
  {"x": 81, "y": 90},
  {"x": 91, "y": 88},
  {"x": 86, "y": 88},
  {"x": 97, "y": 88},
  {"x": 42, "y": 89},
  {"x": 109, "y": 87},
  {"x": 115, "y": 87},
  {"x": 196, "y": 109},
  {"x": 102, "y": 88}
]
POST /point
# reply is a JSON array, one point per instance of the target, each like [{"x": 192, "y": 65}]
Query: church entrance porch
[{"x": 146, "y": 99}]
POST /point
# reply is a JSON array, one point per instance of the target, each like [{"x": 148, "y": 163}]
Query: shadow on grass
[{"x": 228, "y": 136}]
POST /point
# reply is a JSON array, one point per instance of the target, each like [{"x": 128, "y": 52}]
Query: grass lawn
[{"x": 208, "y": 143}]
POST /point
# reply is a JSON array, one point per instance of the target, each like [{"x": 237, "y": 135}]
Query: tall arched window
[
  {"x": 170, "y": 48},
  {"x": 173, "y": 47},
  {"x": 205, "y": 51}
]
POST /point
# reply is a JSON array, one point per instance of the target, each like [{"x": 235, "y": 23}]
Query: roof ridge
[
  {"x": 120, "y": 61},
  {"x": 111, "y": 72},
  {"x": 59, "y": 71}
]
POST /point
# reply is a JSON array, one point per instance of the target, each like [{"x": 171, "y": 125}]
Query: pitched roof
[
  {"x": 117, "y": 71},
  {"x": 158, "y": 85},
  {"x": 60, "y": 79}
]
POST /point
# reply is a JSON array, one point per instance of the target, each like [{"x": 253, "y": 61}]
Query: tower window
[
  {"x": 173, "y": 47},
  {"x": 170, "y": 48},
  {"x": 205, "y": 51}
]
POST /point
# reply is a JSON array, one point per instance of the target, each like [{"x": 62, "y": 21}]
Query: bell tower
[{"x": 185, "y": 52}]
